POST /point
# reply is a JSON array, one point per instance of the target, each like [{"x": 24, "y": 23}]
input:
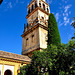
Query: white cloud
[
  {"x": 9, "y": 5},
  {"x": 61, "y": 23},
  {"x": 69, "y": 12},
  {"x": 65, "y": 14},
  {"x": 57, "y": 16},
  {"x": 67, "y": 7},
  {"x": 65, "y": 18},
  {"x": 66, "y": 21},
  {"x": 65, "y": 1}
]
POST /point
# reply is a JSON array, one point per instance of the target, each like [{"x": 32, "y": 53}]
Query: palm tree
[
  {"x": 73, "y": 24},
  {"x": 1, "y": 1},
  {"x": 73, "y": 37}
]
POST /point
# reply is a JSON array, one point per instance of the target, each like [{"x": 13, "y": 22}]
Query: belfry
[
  {"x": 34, "y": 38},
  {"x": 35, "y": 33}
]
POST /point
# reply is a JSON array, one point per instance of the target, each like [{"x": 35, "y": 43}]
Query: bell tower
[{"x": 35, "y": 33}]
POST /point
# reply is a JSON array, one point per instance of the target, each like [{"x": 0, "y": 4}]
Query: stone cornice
[
  {"x": 30, "y": 51},
  {"x": 33, "y": 28}
]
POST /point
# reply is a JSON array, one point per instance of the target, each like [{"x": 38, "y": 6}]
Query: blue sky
[{"x": 12, "y": 19}]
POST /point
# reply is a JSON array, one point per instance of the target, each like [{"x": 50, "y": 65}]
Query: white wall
[
  {"x": 1, "y": 69},
  {"x": 7, "y": 67}
]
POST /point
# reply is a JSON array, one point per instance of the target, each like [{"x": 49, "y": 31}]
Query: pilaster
[{"x": 3, "y": 69}]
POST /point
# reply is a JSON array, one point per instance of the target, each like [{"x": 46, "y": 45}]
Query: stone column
[
  {"x": 3, "y": 69},
  {"x": 37, "y": 2}
]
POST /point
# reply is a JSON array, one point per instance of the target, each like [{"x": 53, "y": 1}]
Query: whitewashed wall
[{"x": 1, "y": 69}]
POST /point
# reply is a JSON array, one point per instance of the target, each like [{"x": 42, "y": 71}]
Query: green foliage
[
  {"x": 53, "y": 32},
  {"x": 59, "y": 60},
  {"x": 73, "y": 38}
]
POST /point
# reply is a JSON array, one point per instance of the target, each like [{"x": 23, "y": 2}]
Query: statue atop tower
[{"x": 36, "y": 31}]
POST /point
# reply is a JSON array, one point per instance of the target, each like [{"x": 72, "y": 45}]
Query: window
[
  {"x": 43, "y": 18},
  {"x": 26, "y": 41},
  {"x": 47, "y": 10},
  {"x": 35, "y": 4},
  {"x": 28, "y": 10},
  {"x": 32, "y": 7},
  {"x": 32, "y": 38},
  {"x": 36, "y": 20},
  {"x": 44, "y": 6},
  {"x": 40, "y": 4}
]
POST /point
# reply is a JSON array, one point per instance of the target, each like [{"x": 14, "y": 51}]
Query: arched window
[
  {"x": 39, "y": 4},
  {"x": 44, "y": 6},
  {"x": 32, "y": 7},
  {"x": 47, "y": 10},
  {"x": 32, "y": 38},
  {"x": 7, "y": 72},
  {"x": 43, "y": 18},
  {"x": 26, "y": 41},
  {"x": 36, "y": 19},
  {"x": 35, "y": 4},
  {"x": 28, "y": 10}
]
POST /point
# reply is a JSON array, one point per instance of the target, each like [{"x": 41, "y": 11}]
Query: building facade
[
  {"x": 35, "y": 34},
  {"x": 10, "y": 63}
]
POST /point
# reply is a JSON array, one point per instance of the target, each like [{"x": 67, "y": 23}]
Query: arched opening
[
  {"x": 32, "y": 8},
  {"x": 40, "y": 4},
  {"x": 35, "y": 4},
  {"x": 7, "y": 72},
  {"x": 44, "y": 6},
  {"x": 47, "y": 10}
]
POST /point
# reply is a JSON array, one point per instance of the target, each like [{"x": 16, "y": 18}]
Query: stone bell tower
[{"x": 35, "y": 33}]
